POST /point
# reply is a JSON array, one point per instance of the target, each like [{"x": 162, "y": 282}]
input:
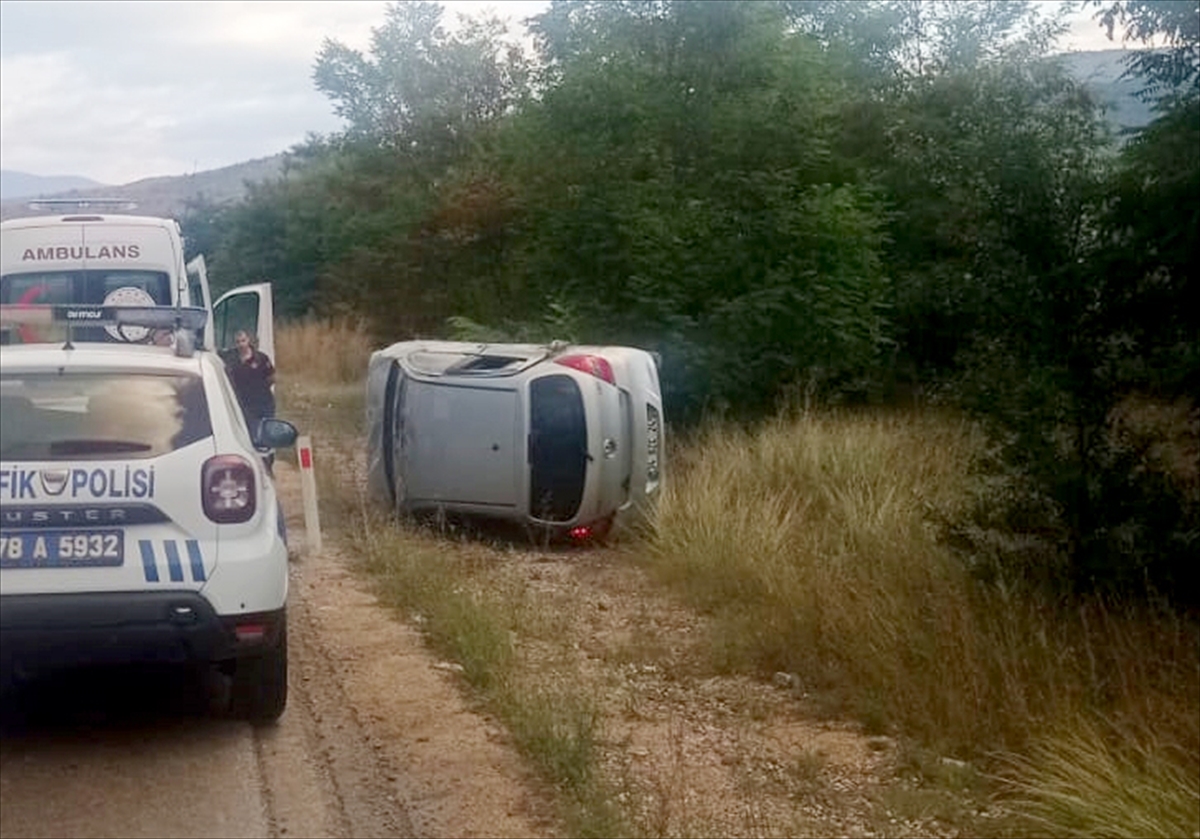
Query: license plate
[
  {"x": 61, "y": 548},
  {"x": 652, "y": 437}
]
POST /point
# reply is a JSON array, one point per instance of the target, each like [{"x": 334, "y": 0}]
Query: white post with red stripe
[{"x": 308, "y": 489}]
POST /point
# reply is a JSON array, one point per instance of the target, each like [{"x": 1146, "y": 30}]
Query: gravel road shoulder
[{"x": 449, "y": 767}]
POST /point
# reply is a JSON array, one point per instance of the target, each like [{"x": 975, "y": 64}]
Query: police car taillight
[
  {"x": 594, "y": 365},
  {"x": 227, "y": 484}
]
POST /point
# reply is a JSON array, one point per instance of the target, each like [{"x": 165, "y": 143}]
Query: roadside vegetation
[
  {"x": 820, "y": 544},
  {"x": 928, "y": 325},
  {"x": 470, "y": 610}
]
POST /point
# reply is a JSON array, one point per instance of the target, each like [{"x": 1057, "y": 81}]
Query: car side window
[{"x": 233, "y": 408}]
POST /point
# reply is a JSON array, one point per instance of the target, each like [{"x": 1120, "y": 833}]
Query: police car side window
[{"x": 234, "y": 411}]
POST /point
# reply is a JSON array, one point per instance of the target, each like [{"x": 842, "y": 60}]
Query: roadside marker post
[{"x": 308, "y": 489}]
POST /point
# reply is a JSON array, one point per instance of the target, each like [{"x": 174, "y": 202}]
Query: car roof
[
  {"x": 85, "y": 216},
  {"x": 85, "y": 357}
]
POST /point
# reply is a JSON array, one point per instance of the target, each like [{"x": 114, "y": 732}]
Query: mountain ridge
[
  {"x": 168, "y": 195},
  {"x": 15, "y": 184}
]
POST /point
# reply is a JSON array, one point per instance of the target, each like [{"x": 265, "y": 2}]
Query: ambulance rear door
[{"x": 197, "y": 274}]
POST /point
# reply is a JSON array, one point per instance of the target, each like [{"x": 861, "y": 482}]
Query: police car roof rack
[
  {"x": 79, "y": 204},
  {"x": 182, "y": 321}
]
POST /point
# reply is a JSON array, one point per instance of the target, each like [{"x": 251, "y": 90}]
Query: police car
[{"x": 138, "y": 522}]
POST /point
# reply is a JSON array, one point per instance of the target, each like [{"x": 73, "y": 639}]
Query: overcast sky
[{"x": 119, "y": 91}]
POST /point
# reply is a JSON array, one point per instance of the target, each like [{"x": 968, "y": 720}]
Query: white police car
[{"x": 138, "y": 522}]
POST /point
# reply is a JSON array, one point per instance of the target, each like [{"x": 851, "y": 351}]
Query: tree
[
  {"x": 684, "y": 193},
  {"x": 1173, "y": 69},
  {"x": 423, "y": 89},
  {"x": 902, "y": 41}
]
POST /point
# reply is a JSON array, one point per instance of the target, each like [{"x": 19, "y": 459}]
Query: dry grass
[
  {"x": 323, "y": 352},
  {"x": 809, "y": 543},
  {"x": 1096, "y": 781},
  {"x": 809, "y": 540},
  {"x": 472, "y": 610}
]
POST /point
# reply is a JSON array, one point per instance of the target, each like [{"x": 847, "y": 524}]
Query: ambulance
[{"x": 89, "y": 252}]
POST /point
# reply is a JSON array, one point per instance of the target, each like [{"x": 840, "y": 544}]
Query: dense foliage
[{"x": 835, "y": 200}]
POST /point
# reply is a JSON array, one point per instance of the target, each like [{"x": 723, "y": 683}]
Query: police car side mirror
[{"x": 275, "y": 434}]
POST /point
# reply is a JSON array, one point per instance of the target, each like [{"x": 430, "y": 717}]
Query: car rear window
[
  {"x": 94, "y": 287},
  {"x": 107, "y": 416},
  {"x": 82, "y": 286}
]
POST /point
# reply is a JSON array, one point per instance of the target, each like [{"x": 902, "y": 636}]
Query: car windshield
[{"x": 47, "y": 416}]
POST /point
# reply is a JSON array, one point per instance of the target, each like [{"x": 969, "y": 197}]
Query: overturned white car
[{"x": 565, "y": 438}]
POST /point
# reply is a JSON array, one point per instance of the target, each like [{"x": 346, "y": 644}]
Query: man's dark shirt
[{"x": 252, "y": 379}]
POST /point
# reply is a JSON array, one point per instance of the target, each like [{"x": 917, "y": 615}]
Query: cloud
[
  {"x": 123, "y": 91},
  {"x": 119, "y": 91}
]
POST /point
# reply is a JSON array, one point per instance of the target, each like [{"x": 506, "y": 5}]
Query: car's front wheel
[{"x": 260, "y": 684}]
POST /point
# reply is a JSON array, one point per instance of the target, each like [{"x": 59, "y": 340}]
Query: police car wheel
[{"x": 259, "y": 691}]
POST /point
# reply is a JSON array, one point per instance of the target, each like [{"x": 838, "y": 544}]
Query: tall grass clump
[
  {"x": 324, "y": 352},
  {"x": 322, "y": 366},
  {"x": 809, "y": 539},
  {"x": 817, "y": 543},
  {"x": 1090, "y": 781}
]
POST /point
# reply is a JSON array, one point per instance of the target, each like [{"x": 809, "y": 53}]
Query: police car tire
[{"x": 260, "y": 684}]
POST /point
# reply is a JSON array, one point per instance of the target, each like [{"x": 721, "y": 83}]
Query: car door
[
  {"x": 197, "y": 274},
  {"x": 248, "y": 307}
]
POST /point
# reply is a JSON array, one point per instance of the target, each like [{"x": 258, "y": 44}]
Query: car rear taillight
[
  {"x": 228, "y": 489},
  {"x": 593, "y": 365},
  {"x": 250, "y": 633}
]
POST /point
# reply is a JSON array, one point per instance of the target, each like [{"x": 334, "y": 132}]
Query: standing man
[{"x": 252, "y": 375}]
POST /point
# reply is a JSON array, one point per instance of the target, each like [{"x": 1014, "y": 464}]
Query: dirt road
[{"x": 376, "y": 740}]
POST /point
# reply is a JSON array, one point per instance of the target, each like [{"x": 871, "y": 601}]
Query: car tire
[{"x": 259, "y": 690}]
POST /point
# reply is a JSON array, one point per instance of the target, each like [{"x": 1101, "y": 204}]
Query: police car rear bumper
[{"x": 45, "y": 632}]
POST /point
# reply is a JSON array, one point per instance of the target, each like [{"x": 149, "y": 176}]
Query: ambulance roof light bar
[
  {"x": 181, "y": 320},
  {"x": 78, "y": 204}
]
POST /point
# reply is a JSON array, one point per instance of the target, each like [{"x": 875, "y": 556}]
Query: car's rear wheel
[{"x": 260, "y": 689}]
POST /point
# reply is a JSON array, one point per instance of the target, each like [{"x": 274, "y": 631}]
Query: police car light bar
[
  {"x": 57, "y": 204},
  {"x": 151, "y": 317}
]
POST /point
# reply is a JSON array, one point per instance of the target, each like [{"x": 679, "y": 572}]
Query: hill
[
  {"x": 1100, "y": 72},
  {"x": 23, "y": 185},
  {"x": 165, "y": 196}
]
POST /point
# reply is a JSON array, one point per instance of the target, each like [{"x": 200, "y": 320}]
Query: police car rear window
[{"x": 48, "y": 416}]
